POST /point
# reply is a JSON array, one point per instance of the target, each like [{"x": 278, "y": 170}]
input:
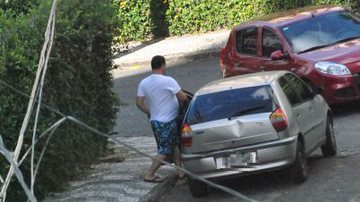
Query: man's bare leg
[
  {"x": 177, "y": 161},
  {"x": 150, "y": 174}
]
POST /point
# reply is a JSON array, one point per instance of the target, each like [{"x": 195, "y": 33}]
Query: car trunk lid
[{"x": 237, "y": 132}]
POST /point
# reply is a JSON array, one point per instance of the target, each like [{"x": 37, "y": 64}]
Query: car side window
[
  {"x": 246, "y": 41},
  {"x": 270, "y": 42},
  {"x": 299, "y": 85},
  {"x": 288, "y": 90}
]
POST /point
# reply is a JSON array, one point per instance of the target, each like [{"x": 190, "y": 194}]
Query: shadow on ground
[{"x": 346, "y": 109}]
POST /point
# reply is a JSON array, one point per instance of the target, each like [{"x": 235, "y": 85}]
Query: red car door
[
  {"x": 246, "y": 59},
  {"x": 270, "y": 42}
]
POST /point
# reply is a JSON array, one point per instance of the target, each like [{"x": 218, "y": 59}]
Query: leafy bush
[
  {"x": 17, "y": 6},
  {"x": 200, "y": 16},
  {"x": 135, "y": 23},
  {"x": 189, "y": 16},
  {"x": 78, "y": 84}
]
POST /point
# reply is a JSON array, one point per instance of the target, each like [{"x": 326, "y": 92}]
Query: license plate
[{"x": 233, "y": 160}]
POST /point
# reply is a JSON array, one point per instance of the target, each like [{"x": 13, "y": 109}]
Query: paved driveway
[
  {"x": 123, "y": 181},
  {"x": 191, "y": 76},
  {"x": 331, "y": 179}
]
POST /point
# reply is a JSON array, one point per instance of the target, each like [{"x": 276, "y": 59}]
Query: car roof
[
  {"x": 241, "y": 81},
  {"x": 286, "y": 17}
]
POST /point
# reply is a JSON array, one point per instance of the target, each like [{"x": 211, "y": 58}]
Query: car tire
[
  {"x": 198, "y": 188},
  {"x": 329, "y": 148},
  {"x": 299, "y": 170}
]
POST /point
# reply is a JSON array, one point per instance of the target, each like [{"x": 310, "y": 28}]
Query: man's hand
[{"x": 140, "y": 103}]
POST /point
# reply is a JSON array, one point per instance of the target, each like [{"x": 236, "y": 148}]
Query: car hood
[{"x": 347, "y": 53}]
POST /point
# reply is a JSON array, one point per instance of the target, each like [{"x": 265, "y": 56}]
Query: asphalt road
[
  {"x": 190, "y": 75},
  {"x": 330, "y": 179}
]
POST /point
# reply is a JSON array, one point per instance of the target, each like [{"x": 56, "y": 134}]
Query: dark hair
[{"x": 157, "y": 61}]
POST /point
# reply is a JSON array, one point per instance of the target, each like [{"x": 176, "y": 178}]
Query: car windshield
[
  {"x": 229, "y": 104},
  {"x": 321, "y": 31}
]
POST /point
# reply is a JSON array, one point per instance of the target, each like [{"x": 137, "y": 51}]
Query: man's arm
[
  {"x": 181, "y": 96},
  {"x": 140, "y": 103}
]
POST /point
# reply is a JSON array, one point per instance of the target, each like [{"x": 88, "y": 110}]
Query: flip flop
[{"x": 155, "y": 179}]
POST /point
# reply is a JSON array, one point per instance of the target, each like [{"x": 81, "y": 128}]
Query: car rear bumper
[{"x": 263, "y": 157}]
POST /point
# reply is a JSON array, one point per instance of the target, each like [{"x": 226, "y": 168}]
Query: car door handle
[
  {"x": 237, "y": 65},
  {"x": 310, "y": 108},
  {"x": 262, "y": 68}
]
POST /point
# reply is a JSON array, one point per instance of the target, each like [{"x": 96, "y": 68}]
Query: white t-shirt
[{"x": 160, "y": 95}]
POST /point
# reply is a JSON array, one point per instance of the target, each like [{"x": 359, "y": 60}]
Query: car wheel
[
  {"x": 299, "y": 171},
  {"x": 198, "y": 188},
  {"x": 329, "y": 148}
]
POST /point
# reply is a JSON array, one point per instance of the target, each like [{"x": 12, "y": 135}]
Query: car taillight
[
  {"x": 186, "y": 139},
  {"x": 278, "y": 120}
]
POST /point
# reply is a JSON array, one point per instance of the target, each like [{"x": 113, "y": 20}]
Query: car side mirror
[{"x": 278, "y": 55}]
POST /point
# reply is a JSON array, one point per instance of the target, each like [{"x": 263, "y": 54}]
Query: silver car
[{"x": 254, "y": 122}]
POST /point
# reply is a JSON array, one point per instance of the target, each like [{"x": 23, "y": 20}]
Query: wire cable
[
  {"x": 40, "y": 87},
  {"x": 31, "y": 102},
  {"x": 36, "y": 97},
  {"x": 52, "y": 129},
  {"x": 18, "y": 174}
]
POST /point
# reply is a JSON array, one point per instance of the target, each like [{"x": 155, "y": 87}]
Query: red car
[{"x": 321, "y": 45}]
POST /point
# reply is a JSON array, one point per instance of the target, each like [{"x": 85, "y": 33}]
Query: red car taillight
[
  {"x": 278, "y": 120},
  {"x": 186, "y": 139}
]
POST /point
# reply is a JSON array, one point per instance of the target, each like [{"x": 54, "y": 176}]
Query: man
[{"x": 158, "y": 96}]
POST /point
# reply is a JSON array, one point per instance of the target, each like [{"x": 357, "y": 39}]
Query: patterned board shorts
[{"x": 165, "y": 135}]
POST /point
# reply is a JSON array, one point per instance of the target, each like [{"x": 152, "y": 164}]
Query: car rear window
[{"x": 230, "y": 104}]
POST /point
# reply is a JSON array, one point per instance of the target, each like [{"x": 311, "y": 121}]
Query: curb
[
  {"x": 156, "y": 192},
  {"x": 174, "y": 58}
]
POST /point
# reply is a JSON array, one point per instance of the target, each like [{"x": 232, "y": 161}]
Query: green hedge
[
  {"x": 135, "y": 23},
  {"x": 17, "y": 6},
  {"x": 141, "y": 19},
  {"x": 78, "y": 84},
  {"x": 200, "y": 16}
]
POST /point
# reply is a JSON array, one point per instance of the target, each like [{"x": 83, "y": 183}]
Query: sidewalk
[
  {"x": 118, "y": 181},
  {"x": 123, "y": 181},
  {"x": 174, "y": 49}
]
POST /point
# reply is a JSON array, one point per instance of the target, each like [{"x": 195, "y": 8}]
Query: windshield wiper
[
  {"x": 347, "y": 39},
  {"x": 197, "y": 119},
  {"x": 313, "y": 48},
  {"x": 198, "y": 115},
  {"x": 322, "y": 46},
  {"x": 246, "y": 110}
]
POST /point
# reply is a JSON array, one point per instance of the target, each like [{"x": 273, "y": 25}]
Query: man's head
[{"x": 158, "y": 63}]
